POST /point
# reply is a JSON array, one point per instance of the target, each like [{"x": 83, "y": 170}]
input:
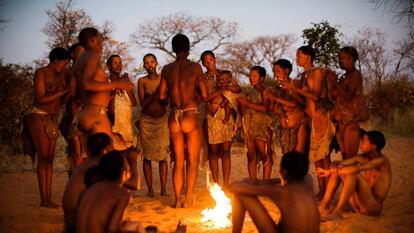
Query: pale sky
[{"x": 22, "y": 41}]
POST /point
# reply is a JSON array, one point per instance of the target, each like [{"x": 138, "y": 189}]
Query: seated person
[
  {"x": 97, "y": 145},
  {"x": 292, "y": 194},
  {"x": 364, "y": 191},
  {"x": 106, "y": 213}
]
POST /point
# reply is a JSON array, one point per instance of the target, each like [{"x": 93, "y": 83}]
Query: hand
[
  {"x": 335, "y": 164},
  {"x": 267, "y": 94},
  {"x": 125, "y": 84},
  {"x": 322, "y": 172}
]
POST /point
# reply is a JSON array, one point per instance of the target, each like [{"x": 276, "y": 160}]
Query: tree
[
  {"x": 16, "y": 97},
  {"x": 263, "y": 50},
  {"x": 211, "y": 32},
  {"x": 324, "y": 38},
  {"x": 403, "y": 9},
  {"x": 64, "y": 25}
]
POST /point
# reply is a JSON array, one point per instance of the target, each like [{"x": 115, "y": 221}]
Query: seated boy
[
  {"x": 103, "y": 205},
  {"x": 294, "y": 198},
  {"x": 365, "y": 191},
  {"x": 97, "y": 145}
]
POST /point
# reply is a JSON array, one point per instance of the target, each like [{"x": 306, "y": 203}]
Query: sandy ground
[{"x": 20, "y": 211}]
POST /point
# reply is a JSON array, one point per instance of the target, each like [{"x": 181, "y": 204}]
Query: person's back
[
  {"x": 96, "y": 209},
  {"x": 97, "y": 144},
  {"x": 181, "y": 77},
  {"x": 299, "y": 210}
]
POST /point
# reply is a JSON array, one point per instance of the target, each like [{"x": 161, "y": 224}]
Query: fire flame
[{"x": 218, "y": 217}]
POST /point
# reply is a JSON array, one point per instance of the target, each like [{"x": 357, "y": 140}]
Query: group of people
[{"x": 311, "y": 110}]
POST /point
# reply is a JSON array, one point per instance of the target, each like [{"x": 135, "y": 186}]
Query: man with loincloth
[
  {"x": 75, "y": 154},
  {"x": 102, "y": 207},
  {"x": 120, "y": 114},
  {"x": 153, "y": 125},
  {"x": 314, "y": 88},
  {"x": 94, "y": 87},
  {"x": 182, "y": 81},
  {"x": 40, "y": 125},
  {"x": 98, "y": 144},
  {"x": 366, "y": 179},
  {"x": 293, "y": 195},
  {"x": 218, "y": 133}
]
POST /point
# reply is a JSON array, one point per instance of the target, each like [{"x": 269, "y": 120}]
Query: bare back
[
  {"x": 182, "y": 79},
  {"x": 298, "y": 208},
  {"x": 99, "y": 213}
]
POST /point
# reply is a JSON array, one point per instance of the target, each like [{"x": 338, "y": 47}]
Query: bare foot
[
  {"x": 331, "y": 217},
  {"x": 50, "y": 204},
  {"x": 164, "y": 193},
  {"x": 150, "y": 194},
  {"x": 323, "y": 210},
  {"x": 189, "y": 201},
  {"x": 178, "y": 205}
]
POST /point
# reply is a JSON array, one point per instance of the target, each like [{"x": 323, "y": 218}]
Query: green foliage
[
  {"x": 16, "y": 97},
  {"x": 324, "y": 38}
]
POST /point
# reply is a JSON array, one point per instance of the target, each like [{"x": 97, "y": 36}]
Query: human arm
[
  {"x": 116, "y": 222},
  {"x": 316, "y": 86},
  {"x": 234, "y": 87},
  {"x": 88, "y": 72},
  {"x": 250, "y": 188},
  {"x": 145, "y": 102},
  {"x": 201, "y": 84},
  {"x": 130, "y": 93},
  {"x": 40, "y": 89},
  {"x": 347, "y": 92}
]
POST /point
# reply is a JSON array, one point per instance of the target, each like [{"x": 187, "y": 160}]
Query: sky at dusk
[{"x": 22, "y": 40}]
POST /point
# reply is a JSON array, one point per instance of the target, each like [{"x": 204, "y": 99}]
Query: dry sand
[{"x": 20, "y": 211}]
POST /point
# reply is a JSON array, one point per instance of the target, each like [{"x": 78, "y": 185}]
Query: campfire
[{"x": 219, "y": 216}]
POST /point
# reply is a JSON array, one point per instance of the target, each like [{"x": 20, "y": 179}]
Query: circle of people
[{"x": 316, "y": 113}]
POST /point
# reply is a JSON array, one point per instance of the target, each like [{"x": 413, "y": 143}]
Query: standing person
[
  {"x": 182, "y": 81},
  {"x": 40, "y": 129},
  {"x": 314, "y": 89},
  {"x": 288, "y": 105},
  {"x": 153, "y": 125},
  {"x": 94, "y": 87},
  {"x": 350, "y": 106},
  {"x": 256, "y": 124},
  {"x": 219, "y": 134},
  {"x": 120, "y": 114},
  {"x": 75, "y": 154}
]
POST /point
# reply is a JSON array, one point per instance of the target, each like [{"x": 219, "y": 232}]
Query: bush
[
  {"x": 390, "y": 99},
  {"x": 16, "y": 97}
]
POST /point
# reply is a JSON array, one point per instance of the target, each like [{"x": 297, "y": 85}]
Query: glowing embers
[{"x": 219, "y": 216}]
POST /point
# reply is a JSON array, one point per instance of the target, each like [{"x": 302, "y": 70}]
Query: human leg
[
  {"x": 332, "y": 186},
  {"x": 213, "y": 154},
  {"x": 251, "y": 158},
  {"x": 225, "y": 162},
  {"x": 322, "y": 181},
  {"x": 193, "y": 142},
  {"x": 351, "y": 139},
  {"x": 264, "y": 155},
  {"x": 147, "y": 167},
  {"x": 258, "y": 213},
  {"x": 163, "y": 170}
]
